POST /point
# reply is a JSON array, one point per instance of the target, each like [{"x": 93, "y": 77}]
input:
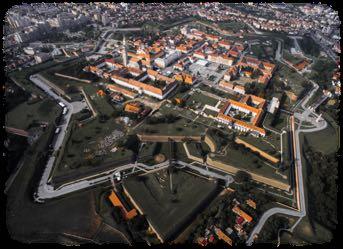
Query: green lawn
[
  {"x": 247, "y": 162},
  {"x": 262, "y": 144},
  {"x": 100, "y": 103},
  {"x": 200, "y": 98},
  {"x": 182, "y": 126},
  {"x": 218, "y": 92},
  {"x": 83, "y": 142},
  {"x": 168, "y": 212},
  {"x": 22, "y": 77},
  {"x": 294, "y": 80},
  {"x": 325, "y": 141},
  {"x": 259, "y": 51},
  {"x": 281, "y": 122},
  {"x": 24, "y": 114}
]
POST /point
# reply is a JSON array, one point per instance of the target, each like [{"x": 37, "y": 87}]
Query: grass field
[
  {"x": 247, "y": 162},
  {"x": 22, "y": 77},
  {"x": 327, "y": 140},
  {"x": 262, "y": 51},
  {"x": 202, "y": 99},
  {"x": 291, "y": 58},
  {"x": 170, "y": 212},
  {"x": 281, "y": 122},
  {"x": 234, "y": 26},
  {"x": 294, "y": 80},
  {"x": 29, "y": 222},
  {"x": 182, "y": 126},
  {"x": 219, "y": 92},
  {"x": 25, "y": 114},
  {"x": 100, "y": 103},
  {"x": 261, "y": 143},
  {"x": 308, "y": 233},
  {"x": 84, "y": 141}
]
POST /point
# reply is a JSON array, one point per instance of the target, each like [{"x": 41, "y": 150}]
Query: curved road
[{"x": 301, "y": 209}]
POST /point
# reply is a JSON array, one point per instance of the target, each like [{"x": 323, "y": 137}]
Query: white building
[
  {"x": 273, "y": 105},
  {"x": 167, "y": 59}
]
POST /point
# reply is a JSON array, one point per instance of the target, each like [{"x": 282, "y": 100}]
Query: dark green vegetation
[
  {"x": 83, "y": 153},
  {"x": 168, "y": 121},
  {"x": 309, "y": 46},
  {"x": 270, "y": 229},
  {"x": 239, "y": 156},
  {"x": 169, "y": 150},
  {"x": 170, "y": 206},
  {"x": 289, "y": 79},
  {"x": 31, "y": 222},
  {"x": 291, "y": 58},
  {"x": 22, "y": 76},
  {"x": 198, "y": 100},
  {"x": 72, "y": 68},
  {"x": 25, "y": 114},
  {"x": 133, "y": 229},
  {"x": 322, "y": 186},
  {"x": 322, "y": 71},
  {"x": 234, "y": 26},
  {"x": 16, "y": 97},
  {"x": 14, "y": 150}
]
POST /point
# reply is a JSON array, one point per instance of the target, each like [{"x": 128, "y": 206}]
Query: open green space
[
  {"x": 309, "y": 232},
  {"x": 249, "y": 161},
  {"x": 197, "y": 97},
  {"x": 170, "y": 210},
  {"x": 30, "y": 222},
  {"x": 178, "y": 126},
  {"x": 291, "y": 58},
  {"x": 151, "y": 149},
  {"x": 100, "y": 103},
  {"x": 294, "y": 80},
  {"x": 22, "y": 76},
  {"x": 219, "y": 92},
  {"x": 325, "y": 141},
  {"x": 309, "y": 46},
  {"x": 83, "y": 145},
  {"x": 210, "y": 112},
  {"x": 25, "y": 114},
  {"x": 322, "y": 71},
  {"x": 281, "y": 120},
  {"x": 234, "y": 26},
  {"x": 262, "y": 144},
  {"x": 198, "y": 149},
  {"x": 262, "y": 51}
]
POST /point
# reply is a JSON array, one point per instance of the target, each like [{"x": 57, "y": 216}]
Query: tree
[
  {"x": 117, "y": 215},
  {"x": 242, "y": 176}
]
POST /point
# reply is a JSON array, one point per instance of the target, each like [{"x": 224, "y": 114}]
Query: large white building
[
  {"x": 167, "y": 59},
  {"x": 273, "y": 105}
]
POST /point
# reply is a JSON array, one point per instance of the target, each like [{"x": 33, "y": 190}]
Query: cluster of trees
[
  {"x": 271, "y": 228},
  {"x": 103, "y": 118},
  {"x": 15, "y": 98},
  {"x": 309, "y": 46},
  {"x": 168, "y": 118},
  {"x": 254, "y": 88},
  {"x": 322, "y": 71},
  {"x": 85, "y": 113},
  {"x": 322, "y": 187},
  {"x": 221, "y": 138}
]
